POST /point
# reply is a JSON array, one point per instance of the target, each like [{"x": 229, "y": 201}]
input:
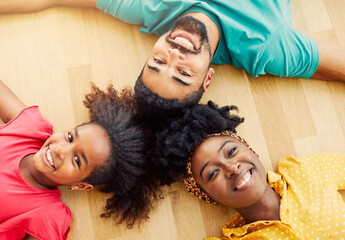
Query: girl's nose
[{"x": 62, "y": 150}]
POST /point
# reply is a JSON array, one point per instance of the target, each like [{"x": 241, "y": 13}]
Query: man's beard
[{"x": 193, "y": 26}]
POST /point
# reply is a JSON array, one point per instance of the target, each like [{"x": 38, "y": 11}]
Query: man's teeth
[
  {"x": 244, "y": 180},
  {"x": 184, "y": 42},
  {"x": 50, "y": 158}
]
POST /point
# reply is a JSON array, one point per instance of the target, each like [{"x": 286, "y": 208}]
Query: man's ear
[
  {"x": 208, "y": 79},
  {"x": 82, "y": 186}
]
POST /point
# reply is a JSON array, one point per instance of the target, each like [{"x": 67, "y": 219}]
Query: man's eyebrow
[
  {"x": 156, "y": 69},
  {"x": 82, "y": 154},
  {"x": 221, "y": 147},
  {"x": 203, "y": 168},
  {"x": 179, "y": 80}
]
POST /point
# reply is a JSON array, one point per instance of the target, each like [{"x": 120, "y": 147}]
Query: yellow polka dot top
[{"x": 311, "y": 206}]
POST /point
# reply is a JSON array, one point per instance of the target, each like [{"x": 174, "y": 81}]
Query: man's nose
[
  {"x": 231, "y": 169},
  {"x": 175, "y": 54}
]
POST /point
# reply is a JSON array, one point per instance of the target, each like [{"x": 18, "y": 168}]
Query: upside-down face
[{"x": 179, "y": 62}]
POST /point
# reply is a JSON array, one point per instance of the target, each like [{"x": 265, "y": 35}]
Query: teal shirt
[{"x": 255, "y": 35}]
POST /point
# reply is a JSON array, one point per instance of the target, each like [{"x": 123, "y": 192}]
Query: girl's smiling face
[
  {"x": 67, "y": 158},
  {"x": 229, "y": 172}
]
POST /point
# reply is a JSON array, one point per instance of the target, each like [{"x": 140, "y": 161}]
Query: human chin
[
  {"x": 191, "y": 25},
  {"x": 257, "y": 187},
  {"x": 246, "y": 188}
]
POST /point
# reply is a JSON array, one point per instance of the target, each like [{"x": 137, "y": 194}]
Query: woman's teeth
[
  {"x": 50, "y": 158},
  {"x": 184, "y": 42},
  {"x": 244, "y": 180}
]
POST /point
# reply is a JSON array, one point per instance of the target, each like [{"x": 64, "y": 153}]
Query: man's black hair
[{"x": 154, "y": 109}]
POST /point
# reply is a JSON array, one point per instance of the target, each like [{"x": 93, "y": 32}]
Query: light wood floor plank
[
  {"x": 272, "y": 118},
  {"x": 295, "y": 108}
]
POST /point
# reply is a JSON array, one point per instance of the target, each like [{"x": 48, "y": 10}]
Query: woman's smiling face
[{"x": 229, "y": 172}]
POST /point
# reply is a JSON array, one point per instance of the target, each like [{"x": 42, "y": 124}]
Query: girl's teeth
[{"x": 50, "y": 158}]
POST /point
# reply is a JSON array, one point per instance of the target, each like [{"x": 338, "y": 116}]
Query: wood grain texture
[{"x": 48, "y": 59}]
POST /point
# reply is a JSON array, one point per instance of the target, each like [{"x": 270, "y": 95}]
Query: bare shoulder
[{"x": 10, "y": 105}]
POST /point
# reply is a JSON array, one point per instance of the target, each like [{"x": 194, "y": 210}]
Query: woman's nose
[{"x": 231, "y": 168}]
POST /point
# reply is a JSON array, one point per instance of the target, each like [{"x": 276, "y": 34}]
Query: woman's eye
[
  {"x": 232, "y": 150},
  {"x": 184, "y": 73},
  {"x": 212, "y": 174},
  {"x": 158, "y": 61},
  {"x": 70, "y": 137},
  {"x": 77, "y": 161}
]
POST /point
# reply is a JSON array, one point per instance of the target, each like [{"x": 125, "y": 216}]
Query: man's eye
[
  {"x": 77, "y": 161},
  {"x": 232, "y": 150},
  {"x": 70, "y": 137},
  {"x": 158, "y": 61},
  {"x": 184, "y": 73},
  {"x": 212, "y": 174}
]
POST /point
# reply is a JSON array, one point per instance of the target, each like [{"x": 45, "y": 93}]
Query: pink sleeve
[{"x": 48, "y": 222}]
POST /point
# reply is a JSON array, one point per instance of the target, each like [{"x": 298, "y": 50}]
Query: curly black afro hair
[
  {"x": 126, "y": 171},
  {"x": 177, "y": 141}
]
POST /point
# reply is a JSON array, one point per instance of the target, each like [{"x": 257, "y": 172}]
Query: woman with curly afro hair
[
  {"x": 300, "y": 201},
  {"x": 108, "y": 151}
]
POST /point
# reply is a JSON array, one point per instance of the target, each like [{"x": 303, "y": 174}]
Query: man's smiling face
[{"x": 179, "y": 61}]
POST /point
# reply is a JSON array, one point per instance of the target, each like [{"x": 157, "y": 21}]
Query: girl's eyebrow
[{"x": 82, "y": 154}]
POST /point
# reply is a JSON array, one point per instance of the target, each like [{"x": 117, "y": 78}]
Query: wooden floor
[{"x": 49, "y": 58}]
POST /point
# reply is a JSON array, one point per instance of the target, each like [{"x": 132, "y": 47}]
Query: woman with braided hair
[{"x": 300, "y": 201}]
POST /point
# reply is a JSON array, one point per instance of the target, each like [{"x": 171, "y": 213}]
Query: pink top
[{"x": 23, "y": 208}]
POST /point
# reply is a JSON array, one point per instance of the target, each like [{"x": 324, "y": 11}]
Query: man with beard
[{"x": 254, "y": 35}]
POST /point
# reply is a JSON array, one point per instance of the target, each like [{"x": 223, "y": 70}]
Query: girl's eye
[
  {"x": 158, "y": 61},
  {"x": 70, "y": 137},
  {"x": 77, "y": 161},
  {"x": 232, "y": 150},
  {"x": 184, "y": 73},
  {"x": 212, "y": 174}
]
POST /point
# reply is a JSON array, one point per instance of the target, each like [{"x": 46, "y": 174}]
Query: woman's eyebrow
[
  {"x": 203, "y": 168},
  {"x": 221, "y": 147}
]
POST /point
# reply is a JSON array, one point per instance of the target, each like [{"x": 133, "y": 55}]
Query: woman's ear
[{"x": 81, "y": 187}]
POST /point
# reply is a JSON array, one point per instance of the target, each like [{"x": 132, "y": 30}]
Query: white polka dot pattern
[{"x": 311, "y": 206}]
